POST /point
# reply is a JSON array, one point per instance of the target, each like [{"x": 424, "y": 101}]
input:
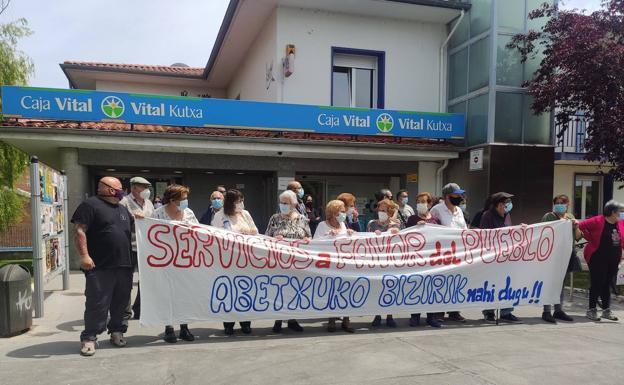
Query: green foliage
[
  {"x": 13, "y": 163},
  {"x": 11, "y": 207},
  {"x": 15, "y": 66}
]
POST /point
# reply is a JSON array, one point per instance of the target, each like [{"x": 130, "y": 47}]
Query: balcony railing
[{"x": 571, "y": 137}]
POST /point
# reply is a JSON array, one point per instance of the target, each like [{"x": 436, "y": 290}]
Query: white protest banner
[{"x": 192, "y": 273}]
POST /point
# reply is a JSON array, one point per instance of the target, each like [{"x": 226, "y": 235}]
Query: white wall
[
  {"x": 250, "y": 79},
  {"x": 153, "y": 88},
  {"x": 411, "y": 48}
]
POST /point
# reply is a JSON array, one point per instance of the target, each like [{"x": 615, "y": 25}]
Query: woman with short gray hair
[{"x": 603, "y": 252}]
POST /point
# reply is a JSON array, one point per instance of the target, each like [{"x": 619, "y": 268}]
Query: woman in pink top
[{"x": 603, "y": 252}]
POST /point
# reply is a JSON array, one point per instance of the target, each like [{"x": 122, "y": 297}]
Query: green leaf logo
[
  {"x": 385, "y": 122},
  {"x": 113, "y": 107}
]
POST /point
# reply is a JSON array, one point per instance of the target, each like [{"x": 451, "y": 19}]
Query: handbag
[{"x": 574, "y": 265}]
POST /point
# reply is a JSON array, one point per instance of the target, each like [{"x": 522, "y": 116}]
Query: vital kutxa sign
[{"x": 95, "y": 106}]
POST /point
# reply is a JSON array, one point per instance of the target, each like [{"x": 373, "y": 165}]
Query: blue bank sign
[{"x": 96, "y": 106}]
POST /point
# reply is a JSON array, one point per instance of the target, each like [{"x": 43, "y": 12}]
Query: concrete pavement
[{"x": 474, "y": 353}]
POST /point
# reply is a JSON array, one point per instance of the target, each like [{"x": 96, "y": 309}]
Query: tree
[
  {"x": 15, "y": 69},
  {"x": 582, "y": 70}
]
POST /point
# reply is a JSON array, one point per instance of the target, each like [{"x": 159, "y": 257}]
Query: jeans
[{"x": 106, "y": 291}]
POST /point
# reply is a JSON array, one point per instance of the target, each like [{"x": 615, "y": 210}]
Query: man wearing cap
[
  {"x": 496, "y": 217},
  {"x": 139, "y": 206},
  {"x": 449, "y": 214}
]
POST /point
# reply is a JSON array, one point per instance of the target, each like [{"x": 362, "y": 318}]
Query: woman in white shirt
[
  {"x": 334, "y": 226},
  {"x": 175, "y": 208},
  {"x": 235, "y": 218}
]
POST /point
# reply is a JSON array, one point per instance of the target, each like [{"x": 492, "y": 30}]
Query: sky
[{"x": 126, "y": 31}]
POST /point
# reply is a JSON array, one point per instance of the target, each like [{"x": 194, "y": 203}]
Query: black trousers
[
  {"x": 106, "y": 292},
  {"x": 231, "y": 324},
  {"x": 136, "y": 307},
  {"x": 601, "y": 273}
]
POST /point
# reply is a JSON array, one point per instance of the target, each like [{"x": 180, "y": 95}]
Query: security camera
[{"x": 280, "y": 153}]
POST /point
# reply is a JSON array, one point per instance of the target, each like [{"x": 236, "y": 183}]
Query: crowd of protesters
[{"x": 104, "y": 237}]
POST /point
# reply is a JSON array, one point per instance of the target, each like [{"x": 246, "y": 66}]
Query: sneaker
[
  {"x": 433, "y": 322},
  {"x": 117, "y": 339},
  {"x": 391, "y": 323},
  {"x": 608, "y": 314},
  {"x": 561, "y": 315},
  {"x": 87, "y": 348},
  {"x": 546, "y": 316},
  {"x": 592, "y": 314},
  {"x": 509, "y": 318},
  {"x": 294, "y": 325},
  {"x": 489, "y": 318},
  {"x": 246, "y": 328},
  {"x": 376, "y": 321},
  {"x": 456, "y": 316},
  {"x": 186, "y": 335},
  {"x": 414, "y": 320},
  {"x": 277, "y": 327},
  {"x": 228, "y": 330},
  {"x": 170, "y": 336}
]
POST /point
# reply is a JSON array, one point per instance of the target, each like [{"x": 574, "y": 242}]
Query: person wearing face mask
[
  {"x": 289, "y": 223},
  {"x": 560, "y": 212},
  {"x": 449, "y": 214},
  {"x": 312, "y": 213},
  {"x": 496, "y": 217},
  {"x": 234, "y": 217},
  {"x": 352, "y": 212},
  {"x": 175, "y": 208},
  {"x": 405, "y": 211},
  {"x": 157, "y": 202},
  {"x": 424, "y": 202},
  {"x": 216, "y": 204},
  {"x": 334, "y": 226},
  {"x": 102, "y": 234},
  {"x": 603, "y": 252},
  {"x": 296, "y": 187},
  {"x": 386, "y": 209},
  {"x": 139, "y": 206}
]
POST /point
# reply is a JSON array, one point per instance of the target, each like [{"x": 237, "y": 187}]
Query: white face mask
[
  {"x": 239, "y": 207},
  {"x": 422, "y": 208},
  {"x": 383, "y": 216},
  {"x": 145, "y": 194}
]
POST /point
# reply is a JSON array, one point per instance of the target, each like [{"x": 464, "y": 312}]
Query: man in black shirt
[{"x": 103, "y": 238}]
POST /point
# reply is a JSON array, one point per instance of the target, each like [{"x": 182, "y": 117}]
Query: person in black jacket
[
  {"x": 216, "y": 204},
  {"x": 312, "y": 213}
]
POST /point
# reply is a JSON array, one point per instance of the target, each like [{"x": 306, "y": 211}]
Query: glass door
[{"x": 587, "y": 196}]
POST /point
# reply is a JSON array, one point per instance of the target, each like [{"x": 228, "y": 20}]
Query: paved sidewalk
[{"x": 534, "y": 352}]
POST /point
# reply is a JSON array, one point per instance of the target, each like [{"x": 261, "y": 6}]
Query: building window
[
  {"x": 587, "y": 195},
  {"x": 477, "y": 120},
  {"x": 357, "y": 78},
  {"x": 479, "y": 64}
]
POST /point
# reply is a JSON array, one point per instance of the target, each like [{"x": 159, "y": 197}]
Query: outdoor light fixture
[
  {"x": 177, "y": 172},
  {"x": 240, "y": 173},
  {"x": 111, "y": 169},
  {"x": 209, "y": 172},
  {"x": 289, "y": 60},
  {"x": 145, "y": 170}
]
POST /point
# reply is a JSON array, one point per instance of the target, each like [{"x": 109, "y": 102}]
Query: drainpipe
[
  {"x": 441, "y": 82},
  {"x": 439, "y": 177}
]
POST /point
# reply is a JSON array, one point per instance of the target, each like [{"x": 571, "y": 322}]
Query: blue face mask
[
  {"x": 217, "y": 203},
  {"x": 462, "y": 207},
  {"x": 560, "y": 208},
  {"x": 284, "y": 208},
  {"x": 622, "y": 215},
  {"x": 300, "y": 193},
  {"x": 508, "y": 207},
  {"x": 404, "y": 200},
  {"x": 183, "y": 205},
  {"x": 341, "y": 217}
]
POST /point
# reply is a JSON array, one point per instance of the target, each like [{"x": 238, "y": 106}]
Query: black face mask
[
  {"x": 455, "y": 201},
  {"x": 308, "y": 204}
]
